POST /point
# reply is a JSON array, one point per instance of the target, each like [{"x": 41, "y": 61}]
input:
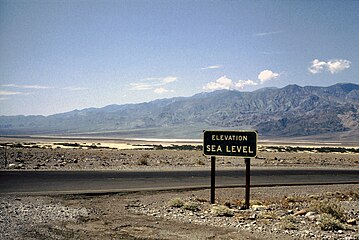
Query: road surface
[{"x": 62, "y": 182}]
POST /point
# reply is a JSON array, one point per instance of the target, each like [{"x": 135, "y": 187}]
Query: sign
[{"x": 230, "y": 143}]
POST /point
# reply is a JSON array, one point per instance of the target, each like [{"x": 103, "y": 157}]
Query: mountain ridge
[{"x": 291, "y": 111}]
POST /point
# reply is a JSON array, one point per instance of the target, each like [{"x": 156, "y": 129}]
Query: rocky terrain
[
  {"x": 20, "y": 155},
  {"x": 308, "y": 212},
  {"x": 300, "y": 212}
]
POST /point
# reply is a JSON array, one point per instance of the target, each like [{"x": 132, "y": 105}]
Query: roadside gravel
[
  {"x": 275, "y": 213},
  {"x": 114, "y": 159},
  {"x": 278, "y": 212},
  {"x": 307, "y": 212}
]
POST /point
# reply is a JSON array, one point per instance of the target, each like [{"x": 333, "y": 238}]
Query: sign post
[
  {"x": 213, "y": 178},
  {"x": 230, "y": 143},
  {"x": 248, "y": 180}
]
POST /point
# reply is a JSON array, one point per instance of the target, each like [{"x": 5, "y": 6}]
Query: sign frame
[{"x": 229, "y": 143}]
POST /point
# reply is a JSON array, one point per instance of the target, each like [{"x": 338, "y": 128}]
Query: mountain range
[{"x": 291, "y": 111}]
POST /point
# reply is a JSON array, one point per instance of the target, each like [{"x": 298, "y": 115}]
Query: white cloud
[
  {"x": 332, "y": 66},
  {"x": 3, "y": 99},
  {"x": 162, "y": 90},
  {"x": 267, "y": 75},
  {"x": 169, "y": 79},
  {"x": 336, "y": 66},
  {"x": 212, "y": 67},
  {"x": 221, "y": 83},
  {"x": 141, "y": 86},
  {"x": 226, "y": 83},
  {"x": 317, "y": 66},
  {"x": 263, "y": 34},
  {"x": 152, "y": 83},
  {"x": 243, "y": 83},
  {"x": 26, "y": 86},
  {"x": 161, "y": 80},
  {"x": 8, "y": 93}
]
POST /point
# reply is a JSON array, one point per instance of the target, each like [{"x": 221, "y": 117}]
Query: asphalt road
[{"x": 60, "y": 182}]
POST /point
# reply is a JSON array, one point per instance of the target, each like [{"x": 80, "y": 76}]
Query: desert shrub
[
  {"x": 289, "y": 223},
  {"x": 254, "y": 202},
  {"x": 176, "y": 202},
  {"x": 202, "y": 200},
  {"x": 289, "y": 226},
  {"x": 144, "y": 159},
  {"x": 191, "y": 206},
  {"x": 18, "y": 145},
  {"x": 222, "y": 211},
  {"x": 200, "y": 162},
  {"x": 268, "y": 215},
  {"x": 329, "y": 223},
  {"x": 354, "y": 195},
  {"x": 329, "y": 207}
]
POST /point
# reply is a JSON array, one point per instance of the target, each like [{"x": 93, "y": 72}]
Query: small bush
[
  {"x": 18, "y": 145},
  {"x": 354, "y": 195},
  {"x": 222, "y": 211},
  {"x": 176, "y": 202},
  {"x": 144, "y": 159},
  {"x": 329, "y": 223},
  {"x": 289, "y": 226},
  {"x": 289, "y": 223},
  {"x": 268, "y": 215},
  {"x": 191, "y": 207},
  {"x": 329, "y": 207},
  {"x": 200, "y": 162}
]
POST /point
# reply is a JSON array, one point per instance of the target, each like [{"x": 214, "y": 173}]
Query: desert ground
[
  {"x": 64, "y": 154},
  {"x": 301, "y": 212}
]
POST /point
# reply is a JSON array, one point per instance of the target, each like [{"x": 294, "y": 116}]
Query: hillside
[{"x": 292, "y": 111}]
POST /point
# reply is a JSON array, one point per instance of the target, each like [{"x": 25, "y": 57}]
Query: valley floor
[{"x": 301, "y": 212}]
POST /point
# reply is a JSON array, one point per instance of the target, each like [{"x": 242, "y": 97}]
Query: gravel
[
  {"x": 271, "y": 212},
  {"x": 27, "y": 216},
  {"x": 19, "y": 158},
  {"x": 275, "y": 213}
]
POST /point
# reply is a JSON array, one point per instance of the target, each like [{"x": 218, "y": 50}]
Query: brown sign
[{"x": 230, "y": 143}]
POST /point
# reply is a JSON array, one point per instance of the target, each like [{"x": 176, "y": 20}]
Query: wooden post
[
  {"x": 5, "y": 157},
  {"x": 213, "y": 178},
  {"x": 248, "y": 179}
]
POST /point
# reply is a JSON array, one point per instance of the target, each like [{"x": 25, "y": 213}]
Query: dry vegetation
[
  {"x": 298, "y": 212},
  {"x": 67, "y": 156}
]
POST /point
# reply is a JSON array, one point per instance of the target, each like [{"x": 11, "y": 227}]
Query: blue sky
[{"x": 57, "y": 56}]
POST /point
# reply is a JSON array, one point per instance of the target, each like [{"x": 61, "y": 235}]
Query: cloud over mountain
[
  {"x": 154, "y": 84},
  {"x": 267, "y": 75},
  {"x": 332, "y": 66},
  {"x": 221, "y": 83},
  {"x": 226, "y": 83}
]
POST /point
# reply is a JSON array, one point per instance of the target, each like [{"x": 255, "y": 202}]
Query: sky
[{"x": 58, "y": 56}]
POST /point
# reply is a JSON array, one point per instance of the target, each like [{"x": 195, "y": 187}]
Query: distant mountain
[{"x": 292, "y": 111}]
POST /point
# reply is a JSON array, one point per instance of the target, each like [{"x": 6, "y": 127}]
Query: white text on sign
[{"x": 229, "y": 149}]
